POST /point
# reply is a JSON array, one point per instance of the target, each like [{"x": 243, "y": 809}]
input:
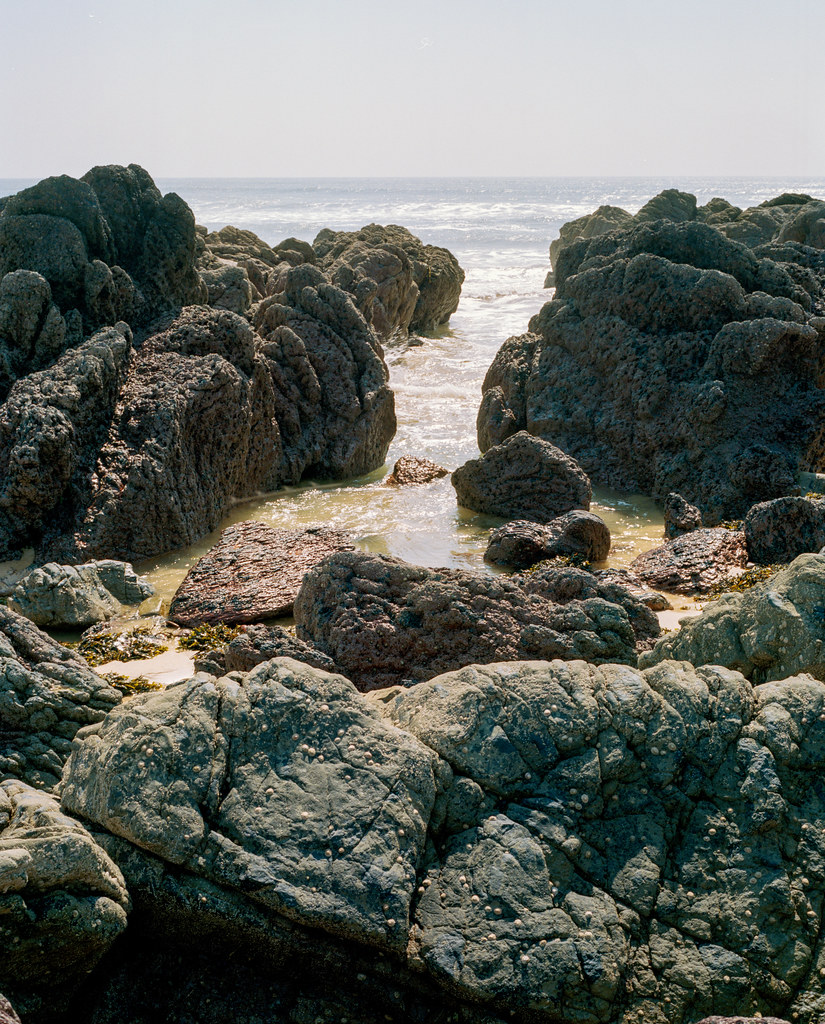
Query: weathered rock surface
[
  {"x": 650, "y": 598},
  {"x": 779, "y": 530},
  {"x": 46, "y": 694},
  {"x": 743, "y": 1020},
  {"x": 413, "y": 469},
  {"x": 254, "y": 572},
  {"x": 7, "y": 1014},
  {"x": 522, "y": 478},
  {"x": 673, "y": 359},
  {"x": 398, "y": 283},
  {"x": 257, "y": 644},
  {"x": 520, "y": 543},
  {"x": 771, "y": 631},
  {"x": 626, "y": 845},
  {"x": 63, "y": 902},
  {"x": 79, "y": 595},
  {"x": 680, "y": 516},
  {"x": 693, "y": 563},
  {"x": 384, "y": 621},
  {"x": 601, "y": 221}
]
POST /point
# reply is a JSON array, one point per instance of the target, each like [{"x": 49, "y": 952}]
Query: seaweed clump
[
  {"x": 562, "y": 562},
  {"x": 100, "y": 647},
  {"x": 739, "y": 584},
  {"x": 128, "y": 686},
  {"x": 208, "y": 637}
]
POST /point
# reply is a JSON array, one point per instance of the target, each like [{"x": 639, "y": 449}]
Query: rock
[
  {"x": 670, "y": 204},
  {"x": 520, "y": 544},
  {"x": 7, "y": 1014},
  {"x": 47, "y": 693},
  {"x": 64, "y": 902},
  {"x": 522, "y": 478},
  {"x": 263, "y": 643},
  {"x": 254, "y": 572},
  {"x": 673, "y": 359},
  {"x": 79, "y": 595},
  {"x": 771, "y": 631},
  {"x": 601, "y": 221},
  {"x": 32, "y": 332},
  {"x": 693, "y": 563},
  {"x": 743, "y": 1020},
  {"x": 717, "y": 211},
  {"x": 779, "y": 530},
  {"x": 228, "y": 288},
  {"x": 680, "y": 516},
  {"x": 624, "y": 577},
  {"x": 412, "y": 469},
  {"x": 385, "y": 622},
  {"x": 807, "y": 227},
  {"x": 397, "y": 283}
]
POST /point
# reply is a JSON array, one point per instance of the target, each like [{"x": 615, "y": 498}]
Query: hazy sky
[{"x": 430, "y": 87}]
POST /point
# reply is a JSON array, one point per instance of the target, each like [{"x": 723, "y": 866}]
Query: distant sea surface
[{"x": 500, "y": 230}]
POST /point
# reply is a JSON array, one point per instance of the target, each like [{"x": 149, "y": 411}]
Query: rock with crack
[
  {"x": 79, "y": 595},
  {"x": 47, "y": 693},
  {"x": 63, "y": 902},
  {"x": 254, "y": 572},
  {"x": 520, "y": 543},
  {"x": 694, "y": 562}
]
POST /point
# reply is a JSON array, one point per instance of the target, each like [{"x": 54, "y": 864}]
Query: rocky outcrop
[
  {"x": 680, "y": 516},
  {"x": 64, "y": 902},
  {"x": 520, "y": 544},
  {"x": 412, "y": 470},
  {"x": 601, "y": 221},
  {"x": 254, "y": 572},
  {"x": 771, "y": 631},
  {"x": 47, "y": 693},
  {"x": 693, "y": 563},
  {"x": 79, "y": 595},
  {"x": 673, "y": 359},
  {"x": 384, "y": 621},
  {"x": 396, "y": 282},
  {"x": 522, "y": 478},
  {"x": 779, "y": 530},
  {"x": 628, "y": 845}
]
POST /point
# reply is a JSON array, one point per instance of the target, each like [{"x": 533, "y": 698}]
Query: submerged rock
[
  {"x": 520, "y": 544},
  {"x": 254, "y": 572},
  {"x": 79, "y": 595},
  {"x": 693, "y": 563}
]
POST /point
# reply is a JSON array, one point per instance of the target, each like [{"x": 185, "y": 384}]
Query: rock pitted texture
[
  {"x": 7, "y": 1014},
  {"x": 520, "y": 543},
  {"x": 779, "y": 530},
  {"x": 79, "y": 595},
  {"x": 522, "y": 478},
  {"x": 262, "y": 643},
  {"x": 650, "y": 598},
  {"x": 46, "y": 694},
  {"x": 63, "y": 902},
  {"x": 771, "y": 631},
  {"x": 693, "y": 563},
  {"x": 576, "y": 842},
  {"x": 601, "y": 221},
  {"x": 398, "y": 283},
  {"x": 673, "y": 359},
  {"x": 680, "y": 516},
  {"x": 254, "y": 572},
  {"x": 413, "y": 469},
  {"x": 384, "y": 621}
]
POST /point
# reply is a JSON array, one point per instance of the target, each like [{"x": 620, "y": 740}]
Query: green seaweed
[
  {"x": 739, "y": 584},
  {"x": 562, "y": 562},
  {"x": 129, "y": 687},
  {"x": 130, "y": 646},
  {"x": 207, "y": 637},
  {"x": 733, "y": 524}
]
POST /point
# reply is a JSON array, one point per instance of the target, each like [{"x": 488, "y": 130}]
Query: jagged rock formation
[
  {"x": 384, "y": 621},
  {"x": 520, "y": 543},
  {"x": 680, "y": 516},
  {"x": 79, "y": 595},
  {"x": 539, "y": 841},
  {"x": 772, "y": 631},
  {"x": 47, "y": 693},
  {"x": 694, "y": 562},
  {"x": 673, "y": 359}
]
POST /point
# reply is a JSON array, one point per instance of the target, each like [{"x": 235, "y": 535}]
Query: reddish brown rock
[
  {"x": 7, "y": 1014},
  {"x": 694, "y": 562},
  {"x": 412, "y": 469},
  {"x": 254, "y": 572}
]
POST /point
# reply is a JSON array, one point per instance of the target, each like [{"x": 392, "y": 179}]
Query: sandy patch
[
  {"x": 165, "y": 668},
  {"x": 673, "y": 617}
]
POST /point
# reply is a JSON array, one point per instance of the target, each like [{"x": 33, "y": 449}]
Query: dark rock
[
  {"x": 807, "y": 227},
  {"x": 601, "y": 221},
  {"x": 384, "y": 622},
  {"x": 520, "y": 544},
  {"x": 717, "y": 211},
  {"x": 412, "y": 469},
  {"x": 524, "y": 477},
  {"x": 779, "y": 530},
  {"x": 680, "y": 516},
  {"x": 263, "y": 643},
  {"x": 693, "y": 563},
  {"x": 398, "y": 283},
  {"x": 743, "y": 1020},
  {"x": 671, "y": 204},
  {"x": 32, "y": 332},
  {"x": 254, "y": 572},
  {"x": 672, "y": 359}
]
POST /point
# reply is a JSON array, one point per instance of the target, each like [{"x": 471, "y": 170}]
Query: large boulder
[
  {"x": 384, "y": 621},
  {"x": 254, "y": 572},
  {"x": 673, "y": 359},
  {"x": 779, "y": 530},
  {"x": 398, "y": 283},
  {"x": 63, "y": 902},
  {"x": 520, "y": 543},
  {"x": 631, "y": 845},
  {"x": 73, "y": 596},
  {"x": 770, "y": 631},
  {"x": 47, "y": 693},
  {"x": 523, "y": 478},
  {"x": 693, "y": 563}
]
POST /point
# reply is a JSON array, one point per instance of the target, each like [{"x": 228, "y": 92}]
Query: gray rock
[
  {"x": 601, "y": 221},
  {"x": 779, "y": 530},
  {"x": 680, "y": 516},
  {"x": 523, "y": 478},
  {"x": 229, "y": 288},
  {"x": 520, "y": 544},
  {"x": 693, "y": 563},
  {"x": 47, "y": 693},
  {"x": 79, "y": 595},
  {"x": 63, "y": 901},
  {"x": 32, "y": 332},
  {"x": 254, "y": 572},
  {"x": 773, "y": 630},
  {"x": 385, "y": 622}
]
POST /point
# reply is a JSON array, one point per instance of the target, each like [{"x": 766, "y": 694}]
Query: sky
[{"x": 318, "y": 88}]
